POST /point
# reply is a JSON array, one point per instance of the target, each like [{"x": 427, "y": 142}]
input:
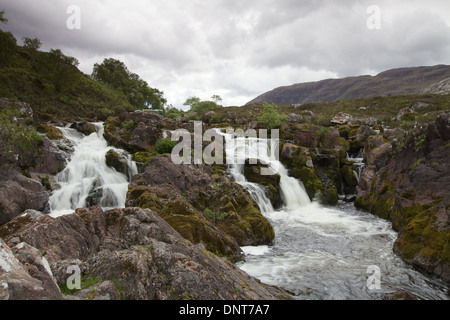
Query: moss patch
[{"x": 420, "y": 237}]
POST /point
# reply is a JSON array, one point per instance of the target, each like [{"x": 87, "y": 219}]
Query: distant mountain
[{"x": 400, "y": 81}]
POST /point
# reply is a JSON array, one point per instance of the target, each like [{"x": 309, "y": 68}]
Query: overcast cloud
[{"x": 238, "y": 49}]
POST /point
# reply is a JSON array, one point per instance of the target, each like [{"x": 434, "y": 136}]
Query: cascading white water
[
  {"x": 240, "y": 149},
  {"x": 87, "y": 179},
  {"x": 358, "y": 164},
  {"x": 321, "y": 252}
]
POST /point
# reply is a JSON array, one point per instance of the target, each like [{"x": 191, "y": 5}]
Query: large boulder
[
  {"x": 192, "y": 198},
  {"x": 84, "y": 127},
  {"x": 18, "y": 193},
  {"x": 343, "y": 118},
  {"x": 129, "y": 253},
  {"x": 119, "y": 161},
  {"x": 25, "y": 274},
  {"x": 50, "y": 159}
]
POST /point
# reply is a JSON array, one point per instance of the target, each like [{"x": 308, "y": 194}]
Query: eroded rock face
[
  {"x": 132, "y": 253},
  {"x": 202, "y": 206}
]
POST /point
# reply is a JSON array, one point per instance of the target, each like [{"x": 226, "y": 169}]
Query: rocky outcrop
[
  {"x": 408, "y": 183},
  {"x": 441, "y": 87},
  {"x": 192, "y": 197},
  {"x": 410, "y": 110},
  {"x": 127, "y": 253}
]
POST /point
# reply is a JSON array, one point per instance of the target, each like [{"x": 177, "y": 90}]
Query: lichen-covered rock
[
  {"x": 349, "y": 179},
  {"x": 129, "y": 253}
]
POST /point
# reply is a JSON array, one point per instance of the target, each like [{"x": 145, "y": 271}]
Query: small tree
[
  {"x": 63, "y": 69},
  {"x": 198, "y": 105},
  {"x": 192, "y": 102},
  {"x": 32, "y": 45},
  {"x": 216, "y": 98},
  {"x": 8, "y": 45},
  {"x": 115, "y": 74},
  {"x": 173, "y": 113},
  {"x": 19, "y": 142},
  {"x": 165, "y": 145},
  {"x": 271, "y": 116},
  {"x": 2, "y": 17}
]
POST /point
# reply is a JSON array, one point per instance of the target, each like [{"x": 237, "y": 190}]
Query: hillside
[
  {"x": 402, "y": 81},
  {"x": 52, "y": 84}
]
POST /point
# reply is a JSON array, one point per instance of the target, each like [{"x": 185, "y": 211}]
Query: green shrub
[
  {"x": 127, "y": 124},
  {"x": 409, "y": 117},
  {"x": 17, "y": 140},
  {"x": 173, "y": 113},
  {"x": 165, "y": 145},
  {"x": 271, "y": 116},
  {"x": 323, "y": 131}
]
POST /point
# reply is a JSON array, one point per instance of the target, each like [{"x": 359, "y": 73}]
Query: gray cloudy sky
[{"x": 239, "y": 49}]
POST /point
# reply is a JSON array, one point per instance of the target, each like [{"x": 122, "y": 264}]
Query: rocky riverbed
[{"x": 183, "y": 226}]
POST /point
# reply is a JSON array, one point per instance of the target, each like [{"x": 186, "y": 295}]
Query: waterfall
[
  {"x": 240, "y": 149},
  {"x": 358, "y": 164},
  {"x": 87, "y": 180}
]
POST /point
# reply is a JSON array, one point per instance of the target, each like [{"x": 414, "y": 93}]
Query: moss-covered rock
[
  {"x": 311, "y": 181},
  {"x": 142, "y": 159},
  {"x": 182, "y": 195},
  {"x": 330, "y": 195},
  {"x": 349, "y": 178},
  {"x": 53, "y": 133},
  {"x": 424, "y": 245},
  {"x": 117, "y": 161}
]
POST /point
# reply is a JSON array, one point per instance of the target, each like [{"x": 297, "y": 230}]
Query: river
[{"x": 319, "y": 252}]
